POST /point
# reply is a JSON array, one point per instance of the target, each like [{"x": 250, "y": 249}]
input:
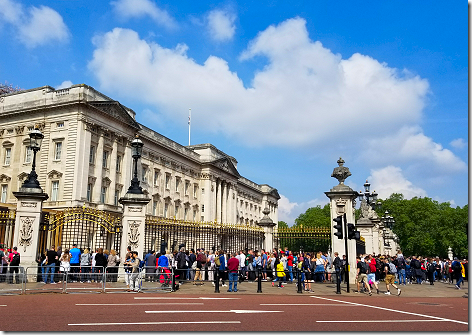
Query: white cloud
[
  {"x": 458, "y": 143},
  {"x": 127, "y": 9},
  {"x": 64, "y": 84},
  {"x": 221, "y": 25},
  {"x": 303, "y": 96},
  {"x": 390, "y": 180},
  {"x": 410, "y": 146},
  {"x": 36, "y": 25}
]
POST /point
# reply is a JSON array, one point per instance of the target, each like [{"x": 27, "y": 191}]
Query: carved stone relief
[
  {"x": 29, "y": 204},
  {"x": 135, "y": 208},
  {"x": 133, "y": 234},
  {"x": 26, "y": 232}
]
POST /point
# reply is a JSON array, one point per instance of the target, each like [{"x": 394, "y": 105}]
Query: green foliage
[
  {"x": 426, "y": 227},
  {"x": 315, "y": 217},
  {"x": 282, "y": 224}
]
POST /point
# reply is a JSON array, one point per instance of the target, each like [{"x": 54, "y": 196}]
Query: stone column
[
  {"x": 224, "y": 203},
  {"x": 28, "y": 217},
  {"x": 218, "y": 200},
  {"x": 342, "y": 199},
  {"x": 98, "y": 171},
  {"x": 134, "y": 217},
  {"x": 114, "y": 157},
  {"x": 268, "y": 225}
]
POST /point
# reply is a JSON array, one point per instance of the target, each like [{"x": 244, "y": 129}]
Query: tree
[
  {"x": 426, "y": 227},
  {"x": 8, "y": 88},
  {"x": 282, "y": 224},
  {"x": 315, "y": 217}
]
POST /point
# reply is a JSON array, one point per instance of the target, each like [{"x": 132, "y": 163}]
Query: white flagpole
[{"x": 189, "y": 115}]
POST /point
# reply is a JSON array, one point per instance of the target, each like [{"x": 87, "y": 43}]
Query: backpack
[
  {"x": 217, "y": 261},
  {"x": 431, "y": 267},
  {"x": 457, "y": 267},
  {"x": 362, "y": 267},
  {"x": 15, "y": 261},
  {"x": 392, "y": 269},
  {"x": 141, "y": 263}
]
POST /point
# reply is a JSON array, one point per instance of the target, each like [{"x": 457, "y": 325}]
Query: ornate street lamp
[
  {"x": 370, "y": 198},
  {"x": 136, "y": 151},
  {"x": 388, "y": 220},
  {"x": 36, "y": 137}
]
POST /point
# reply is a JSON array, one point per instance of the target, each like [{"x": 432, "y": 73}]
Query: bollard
[
  {"x": 338, "y": 282},
  {"x": 217, "y": 281},
  {"x": 173, "y": 280},
  {"x": 299, "y": 282},
  {"x": 259, "y": 282}
]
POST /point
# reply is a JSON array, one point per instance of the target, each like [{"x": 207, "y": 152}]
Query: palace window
[
  {"x": 144, "y": 174},
  {"x": 187, "y": 185},
  {"x": 57, "y": 151},
  {"x": 166, "y": 209},
  {"x": 203, "y": 208},
  {"x": 167, "y": 181},
  {"x": 195, "y": 188},
  {"x": 92, "y": 155},
  {"x": 60, "y": 124},
  {"x": 28, "y": 154},
  {"x": 118, "y": 163},
  {"x": 4, "y": 193},
  {"x": 7, "y": 156},
  {"x": 156, "y": 177},
  {"x": 185, "y": 213},
  {"x": 176, "y": 211},
  {"x": 103, "y": 194},
  {"x": 154, "y": 207},
  {"x": 54, "y": 190},
  {"x": 117, "y": 197},
  {"x": 177, "y": 184},
  {"x": 106, "y": 154},
  {"x": 89, "y": 192}
]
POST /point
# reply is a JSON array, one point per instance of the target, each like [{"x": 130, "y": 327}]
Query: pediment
[
  {"x": 116, "y": 110},
  {"x": 22, "y": 176},
  {"x": 226, "y": 165},
  {"x": 4, "y": 178},
  {"x": 54, "y": 174},
  {"x": 106, "y": 181}
]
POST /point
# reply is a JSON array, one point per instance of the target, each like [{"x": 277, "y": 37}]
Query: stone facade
[{"x": 85, "y": 159}]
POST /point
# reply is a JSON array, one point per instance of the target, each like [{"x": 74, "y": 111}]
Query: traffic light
[
  {"x": 352, "y": 234},
  {"x": 339, "y": 227}
]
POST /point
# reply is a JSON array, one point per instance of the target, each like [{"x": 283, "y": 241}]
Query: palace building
[{"x": 85, "y": 160}]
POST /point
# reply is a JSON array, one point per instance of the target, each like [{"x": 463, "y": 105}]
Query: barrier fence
[{"x": 30, "y": 280}]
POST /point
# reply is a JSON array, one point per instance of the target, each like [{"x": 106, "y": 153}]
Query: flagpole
[{"x": 189, "y": 115}]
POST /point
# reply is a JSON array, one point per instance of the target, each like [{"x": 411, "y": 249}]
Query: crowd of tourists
[{"x": 198, "y": 266}]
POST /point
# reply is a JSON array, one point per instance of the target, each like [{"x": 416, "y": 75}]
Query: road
[{"x": 230, "y": 312}]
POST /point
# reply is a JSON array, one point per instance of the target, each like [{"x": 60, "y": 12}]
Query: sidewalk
[{"x": 439, "y": 289}]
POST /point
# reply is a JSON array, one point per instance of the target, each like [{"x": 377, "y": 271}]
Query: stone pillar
[
  {"x": 342, "y": 201},
  {"x": 28, "y": 217},
  {"x": 224, "y": 203},
  {"x": 268, "y": 225},
  {"x": 218, "y": 200},
  {"x": 114, "y": 157},
  {"x": 134, "y": 217},
  {"x": 98, "y": 172}
]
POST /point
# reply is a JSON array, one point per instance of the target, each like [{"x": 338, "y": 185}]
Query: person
[
  {"x": 389, "y": 278},
  {"x": 163, "y": 270},
  {"x": 401, "y": 268},
  {"x": 181, "y": 263},
  {"x": 308, "y": 269},
  {"x": 65, "y": 265},
  {"x": 337, "y": 266},
  {"x": 14, "y": 263},
  {"x": 222, "y": 267},
  {"x": 458, "y": 271},
  {"x": 279, "y": 272},
  {"x": 74, "y": 262},
  {"x": 100, "y": 265},
  {"x": 233, "y": 265},
  {"x": 431, "y": 268},
  {"x": 51, "y": 258},
  {"x": 192, "y": 265},
  {"x": 134, "y": 264},
  {"x": 151, "y": 263},
  {"x": 264, "y": 263},
  {"x": 361, "y": 275},
  {"x": 242, "y": 265},
  {"x": 319, "y": 263},
  {"x": 211, "y": 267},
  {"x": 201, "y": 261},
  {"x": 290, "y": 265},
  {"x": 85, "y": 266},
  {"x": 3, "y": 265},
  {"x": 58, "y": 262},
  {"x": 371, "y": 271},
  {"x": 112, "y": 266}
]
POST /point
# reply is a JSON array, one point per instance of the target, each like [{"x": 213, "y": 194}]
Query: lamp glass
[{"x": 36, "y": 137}]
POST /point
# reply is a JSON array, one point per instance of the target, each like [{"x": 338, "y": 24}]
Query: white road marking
[
  {"x": 237, "y": 311},
  {"x": 302, "y": 304},
  {"x": 375, "y": 321},
  {"x": 150, "y": 323},
  {"x": 3, "y": 305},
  {"x": 144, "y": 304},
  {"x": 392, "y": 310},
  {"x": 169, "y": 298}
]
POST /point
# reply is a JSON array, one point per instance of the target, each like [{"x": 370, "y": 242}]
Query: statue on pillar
[{"x": 341, "y": 172}]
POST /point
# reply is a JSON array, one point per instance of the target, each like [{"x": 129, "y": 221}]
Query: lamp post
[
  {"x": 370, "y": 198},
  {"x": 136, "y": 150},
  {"x": 36, "y": 137},
  {"x": 388, "y": 220}
]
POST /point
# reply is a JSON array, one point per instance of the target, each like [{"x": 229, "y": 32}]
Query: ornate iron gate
[
  {"x": 7, "y": 227},
  {"x": 308, "y": 239},
  {"x": 209, "y": 235},
  {"x": 87, "y": 227}
]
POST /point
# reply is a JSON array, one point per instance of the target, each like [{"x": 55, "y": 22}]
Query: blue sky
[{"x": 284, "y": 87}]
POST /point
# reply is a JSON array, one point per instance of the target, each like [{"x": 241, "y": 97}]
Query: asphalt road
[{"x": 230, "y": 312}]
